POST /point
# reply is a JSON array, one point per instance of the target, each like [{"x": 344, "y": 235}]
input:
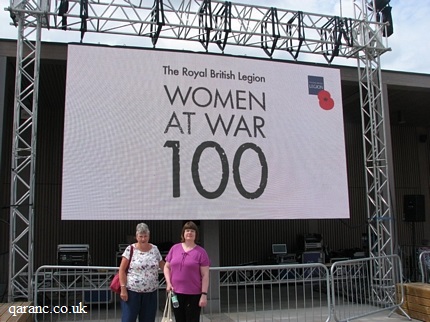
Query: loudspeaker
[
  {"x": 380, "y": 4},
  {"x": 386, "y": 17},
  {"x": 413, "y": 208}
]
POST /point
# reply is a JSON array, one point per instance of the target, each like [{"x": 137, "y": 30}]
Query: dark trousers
[
  {"x": 189, "y": 309},
  {"x": 142, "y": 305}
]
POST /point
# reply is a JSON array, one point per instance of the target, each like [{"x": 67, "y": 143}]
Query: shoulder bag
[{"x": 115, "y": 285}]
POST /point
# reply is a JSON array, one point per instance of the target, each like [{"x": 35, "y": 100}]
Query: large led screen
[{"x": 170, "y": 135}]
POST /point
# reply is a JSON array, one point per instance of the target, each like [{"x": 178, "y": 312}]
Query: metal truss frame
[
  {"x": 209, "y": 22},
  {"x": 379, "y": 210}
]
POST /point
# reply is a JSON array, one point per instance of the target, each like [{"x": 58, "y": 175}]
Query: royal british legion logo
[
  {"x": 316, "y": 87},
  {"x": 315, "y": 84}
]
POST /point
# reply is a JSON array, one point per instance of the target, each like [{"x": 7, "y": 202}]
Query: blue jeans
[{"x": 142, "y": 305}]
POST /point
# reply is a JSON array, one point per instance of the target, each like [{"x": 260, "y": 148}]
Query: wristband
[
  {"x": 122, "y": 285},
  {"x": 204, "y": 293}
]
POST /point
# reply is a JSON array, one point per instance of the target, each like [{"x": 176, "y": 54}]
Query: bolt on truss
[{"x": 213, "y": 24}]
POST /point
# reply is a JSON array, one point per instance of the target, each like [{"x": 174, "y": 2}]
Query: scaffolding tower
[{"x": 215, "y": 25}]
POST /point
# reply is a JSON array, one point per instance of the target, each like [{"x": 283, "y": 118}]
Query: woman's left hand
[{"x": 203, "y": 300}]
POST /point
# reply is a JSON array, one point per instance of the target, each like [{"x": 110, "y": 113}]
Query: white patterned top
[{"x": 142, "y": 274}]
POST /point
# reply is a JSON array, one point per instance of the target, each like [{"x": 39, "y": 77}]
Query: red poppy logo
[{"x": 325, "y": 100}]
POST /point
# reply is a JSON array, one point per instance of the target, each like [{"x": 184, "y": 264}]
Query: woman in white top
[{"x": 139, "y": 284}]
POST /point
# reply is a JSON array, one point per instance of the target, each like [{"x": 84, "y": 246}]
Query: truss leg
[{"x": 23, "y": 154}]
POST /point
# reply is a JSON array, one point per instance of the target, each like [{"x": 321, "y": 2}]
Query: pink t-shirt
[{"x": 185, "y": 268}]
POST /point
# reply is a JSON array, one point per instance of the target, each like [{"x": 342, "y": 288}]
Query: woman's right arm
[
  {"x": 123, "y": 278},
  {"x": 166, "y": 271}
]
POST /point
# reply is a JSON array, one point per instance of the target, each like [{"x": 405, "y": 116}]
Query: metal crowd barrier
[
  {"x": 342, "y": 291},
  {"x": 409, "y": 255},
  {"x": 75, "y": 293},
  {"x": 288, "y": 292},
  {"x": 424, "y": 264},
  {"x": 358, "y": 288}
]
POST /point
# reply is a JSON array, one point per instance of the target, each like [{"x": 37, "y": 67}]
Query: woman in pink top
[{"x": 187, "y": 274}]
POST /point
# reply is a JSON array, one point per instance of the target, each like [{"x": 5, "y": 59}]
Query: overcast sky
[{"x": 410, "y": 43}]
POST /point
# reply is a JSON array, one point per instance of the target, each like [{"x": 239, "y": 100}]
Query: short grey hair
[{"x": 142, "y": 228}]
